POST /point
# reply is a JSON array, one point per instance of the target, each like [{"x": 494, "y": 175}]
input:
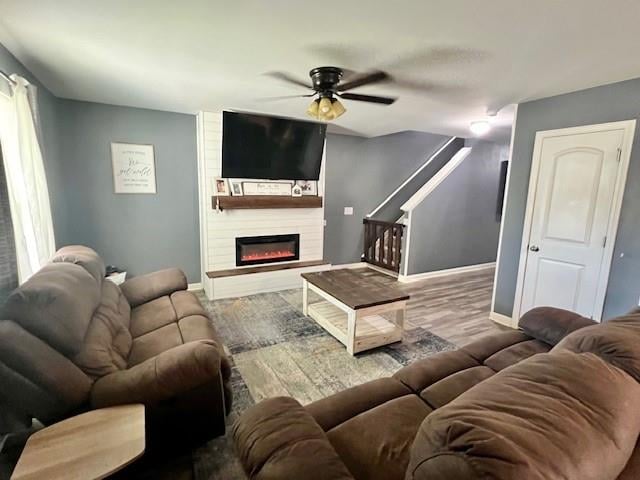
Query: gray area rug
[{"x": 276, "y": 350}]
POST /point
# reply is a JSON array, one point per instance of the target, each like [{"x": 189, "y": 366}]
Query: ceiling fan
[{"x": 327, "y": 85}]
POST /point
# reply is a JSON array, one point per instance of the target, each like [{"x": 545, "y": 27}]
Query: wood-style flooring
[{"x": 454, "y": 307}]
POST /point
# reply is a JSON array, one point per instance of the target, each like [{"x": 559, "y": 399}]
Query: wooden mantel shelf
[
  {"x": 265, "y": 201},
  {"x": 264, "y": 268}
]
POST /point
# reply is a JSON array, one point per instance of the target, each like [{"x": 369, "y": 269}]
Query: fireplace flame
[{"x": 248, "y": 257}]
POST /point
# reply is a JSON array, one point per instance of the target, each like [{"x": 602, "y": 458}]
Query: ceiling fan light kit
[
  {"x": 326, "y": 82},
  {"x": 326, "y": 109}
]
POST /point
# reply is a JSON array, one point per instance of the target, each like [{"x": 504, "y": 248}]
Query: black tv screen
[{"x": 257, "y": 146}]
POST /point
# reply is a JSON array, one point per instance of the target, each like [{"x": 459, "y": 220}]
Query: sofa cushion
[
  {"x": 162, "y": 377},
  {"x": 335, "y": 409},
  {"x": 107, "y": 342},
  {"x": 375, "y": 445},
  {"x": 152, "y": 315},
  {"x": 56, "y": 304},
  {"x": 616, "y": 341},
  {"x": 515, "y": 353},
  {"x": 419, "y": 375},
  {"x": 144, "y": 288},
  {"x": 445, "y": 390},
  {"x": 154, "y": 343},
  {"x": 86, "y": 257},
  {"x": 186, "y": 303},
  {"x": 632, "y": 468},
  {"x": 36, "y": 379},
  {"x": 485, "y": 347},
  {"x": 542, "y": 418}
]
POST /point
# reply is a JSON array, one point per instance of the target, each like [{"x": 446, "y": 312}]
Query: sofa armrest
[
  {"x": 278, "y": 438},
  {"x": 144, "y": 288},
  {"x": 167, "y": 375},
  {"x": 550, "y": 325}
]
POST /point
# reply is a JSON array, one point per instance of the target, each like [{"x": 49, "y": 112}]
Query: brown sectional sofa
[
  {"x": 74, "y": 341},
  {"x": 557, "y": 399}
]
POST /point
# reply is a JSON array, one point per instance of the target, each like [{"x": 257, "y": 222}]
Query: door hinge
[
  {"x": 604, "y": 242},
  {"x": 619, "y": 154}
]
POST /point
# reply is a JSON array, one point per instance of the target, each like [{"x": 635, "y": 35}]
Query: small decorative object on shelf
[
  {"x": 309, "y": 187},
  {"x": 236, "y": 188},
  {"x": 296, "y": 191},
  {"x": 116, "y": 275},
  {"x": 267, "y": 188},
  {"x": 220, "y": 187}
]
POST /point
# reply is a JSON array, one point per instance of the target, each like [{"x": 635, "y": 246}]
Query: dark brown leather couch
[
  {"x": 74, "y": 341},
  {"x": 556, "y": 400}
]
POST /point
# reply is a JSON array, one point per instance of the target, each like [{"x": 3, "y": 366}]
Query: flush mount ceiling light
[{"x": 480, "y": 127}]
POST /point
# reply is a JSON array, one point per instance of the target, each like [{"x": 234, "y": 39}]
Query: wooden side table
[{"x": 92, "y": 445}]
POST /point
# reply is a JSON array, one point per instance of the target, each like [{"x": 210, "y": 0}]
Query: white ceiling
[{"x": 466, "y": 55}]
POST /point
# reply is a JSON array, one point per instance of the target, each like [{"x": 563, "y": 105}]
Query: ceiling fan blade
[
  {"x": 367, "y": 79},
  {"x": 284, "y": 97},
  {"x": 285, "y": 77},
  {"x": 367, "y": 98}
]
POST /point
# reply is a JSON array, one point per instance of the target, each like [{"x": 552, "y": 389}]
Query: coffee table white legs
[
  {"x": 351, "y": 331},
  {"x": 305, "y": 297}
]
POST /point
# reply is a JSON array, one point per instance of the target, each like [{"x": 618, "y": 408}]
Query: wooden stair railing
[{"x": 383, "y": 244}]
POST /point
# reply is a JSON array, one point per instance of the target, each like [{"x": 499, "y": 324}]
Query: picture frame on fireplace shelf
[
  {"x": 220, "y": 187},
  {"x": 267, "y": 188},
  {"x": 308, "y": 187},
  {"x": 236, "y": 188}
]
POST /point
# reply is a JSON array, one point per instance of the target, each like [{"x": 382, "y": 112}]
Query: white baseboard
[
  {"x": 382, "y": 270},
  {"x": 441, "y": 273},
  {"x": 503, "y": 319},
  {"x": 194, "y": 286},
  {"x": 349, "y": 265}
]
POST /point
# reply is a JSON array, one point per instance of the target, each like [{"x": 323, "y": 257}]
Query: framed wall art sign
[{"x": 134, "y": 168}]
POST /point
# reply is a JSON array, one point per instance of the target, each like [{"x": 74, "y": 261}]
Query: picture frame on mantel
[
  {"x": 134, "y": 168},
  {"x": 267, "y": 188},
  {"x": 308, "y": 187},
  {"x": 236, "y": 187},
  {"x": 221, "y": 187}
]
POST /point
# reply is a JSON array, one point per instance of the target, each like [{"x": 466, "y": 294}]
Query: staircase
[{"x": 384, "y": 227}]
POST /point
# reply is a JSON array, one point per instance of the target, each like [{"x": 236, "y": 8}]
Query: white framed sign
[
  {"x": 134, "y": 168},
  {"x": 267, "y": 188}
]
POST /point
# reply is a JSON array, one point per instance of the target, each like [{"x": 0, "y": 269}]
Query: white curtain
[{"x": 26, "y": 179}]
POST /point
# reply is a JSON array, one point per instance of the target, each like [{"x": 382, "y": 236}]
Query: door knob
[{"x": 534, "y": 248}]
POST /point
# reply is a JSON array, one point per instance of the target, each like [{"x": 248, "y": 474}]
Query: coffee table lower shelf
[{"x": 357, "y": 329}]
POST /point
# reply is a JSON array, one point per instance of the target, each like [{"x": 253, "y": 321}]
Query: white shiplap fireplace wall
[{"x": 218, "y": 230}]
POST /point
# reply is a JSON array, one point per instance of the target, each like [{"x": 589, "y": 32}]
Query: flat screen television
[{"x": 258, "y": 146}]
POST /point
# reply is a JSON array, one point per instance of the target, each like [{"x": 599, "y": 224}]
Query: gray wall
[
  {"x": 140, "y": 233},
  {"x": 619, "y": 101},
  {"x": 48, "y": 107},
  {"x": 456, "y": 224},
  {"x": 361, "y": 173}
]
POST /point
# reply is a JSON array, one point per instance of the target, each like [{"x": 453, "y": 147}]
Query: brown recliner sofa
[
  {"x": 556, "y": 400},
  {"x": 73, "y": 341}
]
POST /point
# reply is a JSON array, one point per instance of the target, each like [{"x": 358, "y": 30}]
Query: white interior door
[{"x": 573, "y": 208}]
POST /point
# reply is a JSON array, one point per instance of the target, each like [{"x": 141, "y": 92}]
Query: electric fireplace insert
[{"x": 267, "y": 249}]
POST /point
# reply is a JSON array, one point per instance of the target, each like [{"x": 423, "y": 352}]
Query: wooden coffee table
[
  {"x": 358, "y": 311},
  {"x": 89, "y": 446}
]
